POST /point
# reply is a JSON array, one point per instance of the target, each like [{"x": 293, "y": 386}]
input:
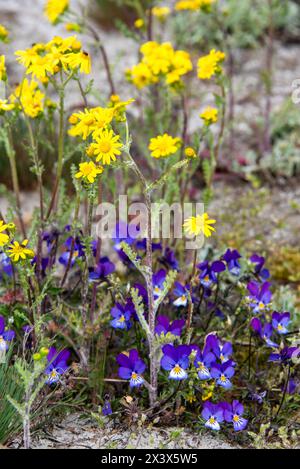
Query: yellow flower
[
  {"x": 141, "y": 75},
  {"x": 163, "y": 146},
  {"x": 88, "y": 121},
  {"x": 106, "y": 146},
  {"x": 17, "y": 251},
  {"x": 5, "y": 106},
  {"x": 190, "y": 152},
  {"x": 139, "y": 23},
  {"x": 199, "y": 224},
  {"x": 209, "y": 115},
  {"x": 29, "y": 97},
  {"x": 193, "y": 4},
  {"x": 4, "y": 238},
  {"x": 209, "y": 65},
  {"x": 88, "y": 171},
  {"x": 2, "y": 68},
  {"x": 73, "y": 27},
  {"x": 81, "y": 60},
  {"x": 3, "y": 33},
  {"x": 26, "y": 57},
  {"x": 40, "y": 66},
  {"x": 55, "y": 8},
  {"x": 161, "y": 12}
]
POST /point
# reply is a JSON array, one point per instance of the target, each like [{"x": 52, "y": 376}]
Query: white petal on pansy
[{"x": 177, "y": 373}]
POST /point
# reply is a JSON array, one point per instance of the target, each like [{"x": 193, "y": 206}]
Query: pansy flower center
[
  {"x": 279, "y": 327},
  {"x": 53, "y": 374},
  {"x": 122, "y": 318},
  {"x": 134, "y": 375},
  {"x": 177, "y": 368},
  {"x": 236, "y": 418},
  {"x": 212, "y": 420},
  {"x": 261, "y": 305},
  {"x": 223, "y": 378},
  {"x": 206, "y": 278}
]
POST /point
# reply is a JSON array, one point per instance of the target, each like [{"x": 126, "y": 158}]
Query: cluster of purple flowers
[
  {"x": 215, "y": 414},
  {"x": 213, "y": 362}
]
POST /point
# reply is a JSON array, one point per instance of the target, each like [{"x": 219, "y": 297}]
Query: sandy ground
[{"x": 80, "y": 433}]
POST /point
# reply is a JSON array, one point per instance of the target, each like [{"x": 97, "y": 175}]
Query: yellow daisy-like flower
[
  {"x": 193, "y": 4},
  {"x": 190, "y": 152},
  {"x": 26, "y": 57},
  {"x": 3, "y": 33},
  {"x": 209, "y": 115},
  {"x": 81, "y": 60},
  {"x": 40, "y": 66},
  {"x": 139, "y": 23},
  {"x": 106, "y": 146},
  {"x": 2, "y": 68},
  {"x": 88, "y": 171},
  {"x": 4, "y": 238},
  {"x": 199, "y": 224},
  {"x": 30, "y": 98},
  {"x": 161, "y": 12},
  {"x": 5, "y": 106},
  {"x": 163, "y": 146},
  {"x": 90, "y": 120},
  {"x": 209, "y": 65},
  {"x": 19, "y": 251},
  {"x": 55, "y": 8}
]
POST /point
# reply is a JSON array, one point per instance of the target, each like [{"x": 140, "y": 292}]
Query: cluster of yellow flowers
[
  {"x": 210, "y": 65},
  {"x": 193, "y": 4},
  {"x": 209, "y": 115},
  {"x": 45, "y": 60},
  {"x": 106, "y": 145},
  {"x": 3, "y": 33},
  {"x": 55, "y": 8},
  {"x": 160, "y": 61},
  {"x": 164, "y": 145},
  {"x": 14, "y": 250},
  {"x": 29, "y": 98}
]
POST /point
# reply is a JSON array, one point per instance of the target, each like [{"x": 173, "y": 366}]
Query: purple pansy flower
[
  {"x": 260, "y": 296},
  {"x": 158, "y": 281},
  {"x": 106, "y": 409},
  {"x": 176, "y": 360},
  {"x": 259, "y": 270},
  {"x": 5, "y": 265},
  {"x": 203, "y": 361},
  {"x": 78, "y": 251},
  {"x": 231, "y": 258},
  {"x": 265, "y": 332},
  {"x": 209, "y": 273},
  {"x": 284, "y": 356},
  {"x": 233, "y": 413},
  {"x": 280, "y": 322},
  {"x": 222, "y": 373},
  {"x": 213, "y": 415},
  {"x": 169, "y": 259},
  {"x": 181, "y": 294},
  {"x": 121, "y": 316},
  {"x": 222, "y": 351},
  {"x": 5, "y": 336},
  {"x": 164, "y": 325},
  {"x": 101, "y": 270},
  {"x": 131, "y": 367},
  {"x": 57, "y": 364}
]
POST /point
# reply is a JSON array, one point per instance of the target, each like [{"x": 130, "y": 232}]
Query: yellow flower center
[
  {"x": 177, "y": 369},
  {"x": 279, "y": 327},
  {"x": 261, "y": 305},
  {"x": 134, "y": 375},
  {"x": 236, "y": 418},
  {"x": 212, "y": 420},
  {"x": 122, "y": 318},
  {"x": 104, "y": 147},
  {"x": 223, "y": 378}
]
